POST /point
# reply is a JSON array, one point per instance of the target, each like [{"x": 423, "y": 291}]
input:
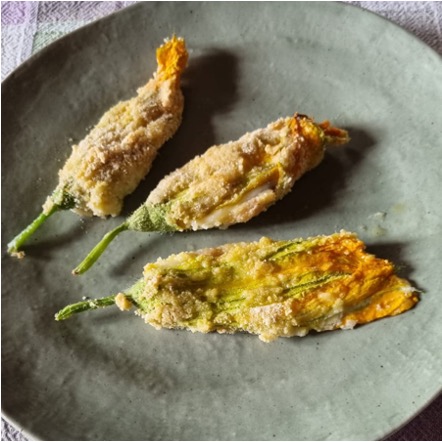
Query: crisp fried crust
[
  {"x": 233, "y": 182},
  {"x": 273, "y": 288},
  {"x": 118, "y": 152}
]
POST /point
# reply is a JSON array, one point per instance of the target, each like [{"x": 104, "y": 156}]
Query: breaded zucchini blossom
[
  {"x": 269, "y": 288},
  {"x": 109, "y": 163}
]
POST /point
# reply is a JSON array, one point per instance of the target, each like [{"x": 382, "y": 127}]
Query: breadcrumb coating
[
  {"x": 268, "y": 288},
  {"x": 116, "y": 155},
  {"x": 274, "y": 288},
  {"x": 233, "y": 182}
]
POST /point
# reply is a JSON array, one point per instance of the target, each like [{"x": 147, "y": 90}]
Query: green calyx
[
  {"x": 150, "y": 218},
  {"x": 144, "y": 219},
  {"x": 63, "y": 199}
]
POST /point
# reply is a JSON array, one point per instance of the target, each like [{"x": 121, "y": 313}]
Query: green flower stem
[
  {"x": 89, "y": 304},
  {"x": 133, "y": 294},
  {"x": 23, "y": 236},
  {"x": 96, "y": 252},
  {"x": 144, "y": 219}
]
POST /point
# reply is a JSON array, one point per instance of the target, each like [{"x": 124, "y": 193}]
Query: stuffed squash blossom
[
  {"x": 268, "y": 288},
  {"x": 109, "y": 163}
]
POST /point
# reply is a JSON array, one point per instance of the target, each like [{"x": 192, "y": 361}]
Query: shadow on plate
[
  {"x": 318, "y": 189},
  {"x": 44, "y": 243},
  {"x": 394, "y": 252}
]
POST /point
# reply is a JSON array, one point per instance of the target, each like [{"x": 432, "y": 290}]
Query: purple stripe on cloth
[
  {"x": 58, "y": 12},
  {"x": 14, "y": 13}
]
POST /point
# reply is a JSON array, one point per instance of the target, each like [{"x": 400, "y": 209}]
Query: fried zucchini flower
[
  {"x": 231, "y": 183},
  {"x": 268, "y": 288},
  {"x": 118, "y": 152}
]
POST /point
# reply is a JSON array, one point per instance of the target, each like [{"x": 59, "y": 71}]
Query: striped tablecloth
[{"x": 29, "y": 26}]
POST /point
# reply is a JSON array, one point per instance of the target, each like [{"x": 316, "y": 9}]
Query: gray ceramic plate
[{"x": 106, "y": 375}]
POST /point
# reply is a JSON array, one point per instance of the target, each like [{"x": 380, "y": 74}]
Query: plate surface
[{"x": 106, "y": 375}]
